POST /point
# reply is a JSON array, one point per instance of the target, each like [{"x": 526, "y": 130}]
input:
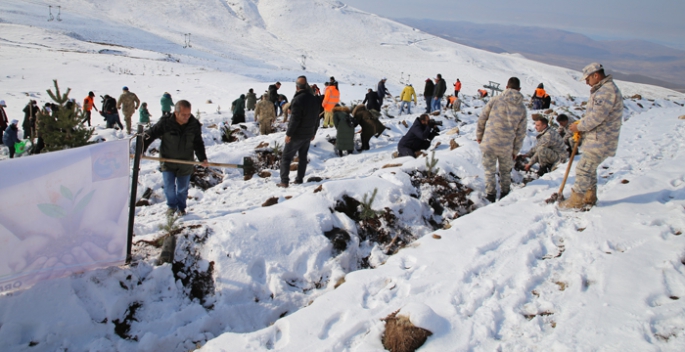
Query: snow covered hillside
[{"x": 306, "y": 272}]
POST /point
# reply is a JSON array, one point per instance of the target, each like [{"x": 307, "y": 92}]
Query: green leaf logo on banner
[
  {"x": 84, "y": 202},
  {"x": 52, "y": 210}
]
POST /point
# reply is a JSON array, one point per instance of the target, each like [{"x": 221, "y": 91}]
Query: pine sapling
[
  {"x": 431, "y": 170},
  {"x": 62, "y": 128},
  {"x": 278, "y": 148},
  {"x": 367, "y": 212},
  {"x": 197, "y": 114}
]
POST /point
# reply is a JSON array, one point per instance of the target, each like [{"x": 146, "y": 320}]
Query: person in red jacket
[
  {"x": 457, "y": 88},
  {"x": 88, "y": 105}
]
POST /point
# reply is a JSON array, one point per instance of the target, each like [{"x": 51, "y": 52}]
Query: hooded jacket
[
  {"x": 407, "y": 93},
  {"x": 344, "y": 139},
  {"x": 166, "y": 103},
  {"x": 502, "y": 124}
]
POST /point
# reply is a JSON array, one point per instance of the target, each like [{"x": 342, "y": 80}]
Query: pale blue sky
[{"x": 659, "y": 21}]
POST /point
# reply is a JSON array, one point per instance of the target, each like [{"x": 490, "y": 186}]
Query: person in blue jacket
[{"x": 10, "y": 137}]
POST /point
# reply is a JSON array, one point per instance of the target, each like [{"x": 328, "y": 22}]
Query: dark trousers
[
  {"x": 301, "y": 148},
  {"x": 86, "y": 118},
  {"x": 429, "y": 101},
  {"x": 237, "y": 118},
  {"x": 11, "y": 148}
]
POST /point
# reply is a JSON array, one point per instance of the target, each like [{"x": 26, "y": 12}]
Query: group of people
[{"x": 502, "y": 128}]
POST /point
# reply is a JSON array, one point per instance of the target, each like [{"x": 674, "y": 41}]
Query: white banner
[{"x": 63, "y": 212}]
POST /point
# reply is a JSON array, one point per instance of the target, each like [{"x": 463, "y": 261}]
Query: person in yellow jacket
[
  {"x": 406, "y": 96},
  {"x": 331, "y": 98}
]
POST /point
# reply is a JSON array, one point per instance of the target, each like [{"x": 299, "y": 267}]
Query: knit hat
[
  {"x": 125, "y": 88},
  {"x": 2, "y": 103},
  {"x": 541, "y": 86},
  {"x": 14, "y": 122}
]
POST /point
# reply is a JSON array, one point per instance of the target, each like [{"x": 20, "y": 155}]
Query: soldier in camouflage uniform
[
  {"x": 600, "y": 129},
  {"x": 128, "y": 103},
  {"x": 500, "y": 133},
  {"x": 566, "y": 135},
  {"x": 265, "y": 114},
  {"x": 549, "y": 148}
]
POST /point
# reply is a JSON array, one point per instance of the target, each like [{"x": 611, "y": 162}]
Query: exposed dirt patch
[
  {"x": 194, "y": 272},
  {"x": 206, "y": 177},
  {"x": 401, "y": 335},
  {"x": 445, "y": 194},
  {"x": 123, "y": 326}
]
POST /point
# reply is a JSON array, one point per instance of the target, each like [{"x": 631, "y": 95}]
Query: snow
[{"x": 514, "y": 275}]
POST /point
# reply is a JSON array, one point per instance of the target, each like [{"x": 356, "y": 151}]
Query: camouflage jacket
[
  {"x": 565, "y": 133},
  {"x": 502, "y": 124},
  {"x": 128, "y": 102},
  {"x": 549, "y": 138},
  {"x": 602, "y": 122},
  {"x": 265, "y": 112}
]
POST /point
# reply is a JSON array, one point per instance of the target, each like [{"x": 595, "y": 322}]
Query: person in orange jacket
[
  {"x": 331, "y": 97},
  {"x": 457, "y": 88},
  {"x": 88, "y": 105},
  {"x": 539, "y": 97}
]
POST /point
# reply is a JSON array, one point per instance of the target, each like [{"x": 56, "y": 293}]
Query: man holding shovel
[
  {"x": 600, "y": 129},
  {"x": 180, "y": 134}
]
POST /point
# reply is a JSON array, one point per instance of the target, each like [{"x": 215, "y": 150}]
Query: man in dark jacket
[
  {"x": 371, "y": 101},
  {"x": 181, "y": 134},
  {"x": 304, "y": 121},
  {"x": 382, "y": 91},
  {"x": 438, "y": 92},
  {"x": 29, "y": 124},
  {"x": 428, "y": 94},
  {"x": 418, "y": 137},
  {"x": 273, "y": 94}
]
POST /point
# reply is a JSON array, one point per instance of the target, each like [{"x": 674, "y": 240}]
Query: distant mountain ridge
[{"x": 631, "y": 60}]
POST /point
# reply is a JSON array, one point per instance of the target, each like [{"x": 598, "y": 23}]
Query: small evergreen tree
[{"x": 62, "y": 128}]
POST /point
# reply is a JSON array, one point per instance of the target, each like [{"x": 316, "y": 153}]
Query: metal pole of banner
[{"x": 134, "y": 191}]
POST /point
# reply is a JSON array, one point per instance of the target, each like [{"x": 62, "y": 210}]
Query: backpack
[{"x": 109, "y": 105}]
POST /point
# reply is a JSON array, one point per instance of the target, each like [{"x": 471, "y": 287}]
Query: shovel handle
[
  {"x": 188, "y": 162},
  {"x": 568, "y": 168}
]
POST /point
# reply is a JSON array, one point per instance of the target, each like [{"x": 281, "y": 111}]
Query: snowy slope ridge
[{"x": 279, "y": 39}]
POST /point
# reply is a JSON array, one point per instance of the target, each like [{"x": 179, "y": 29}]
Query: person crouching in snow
[
  {"x": 10, "y": 137},
  {"x": 344, "y": 123},
  {"x": 549, "y": 149},
  {"x": 265, "y": 114},
  {"x": 418, "y": 137}
]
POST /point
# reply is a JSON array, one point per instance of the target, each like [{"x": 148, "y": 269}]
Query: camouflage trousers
[
  {"x": 586, "y": 172},
  {"x": 127, "y": 118},
  {"x": 548, "y": 157},
  {"x": 506, "y": 163}
]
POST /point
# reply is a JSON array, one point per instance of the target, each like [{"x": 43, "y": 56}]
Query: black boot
[{"x": 491, "y": 197}]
